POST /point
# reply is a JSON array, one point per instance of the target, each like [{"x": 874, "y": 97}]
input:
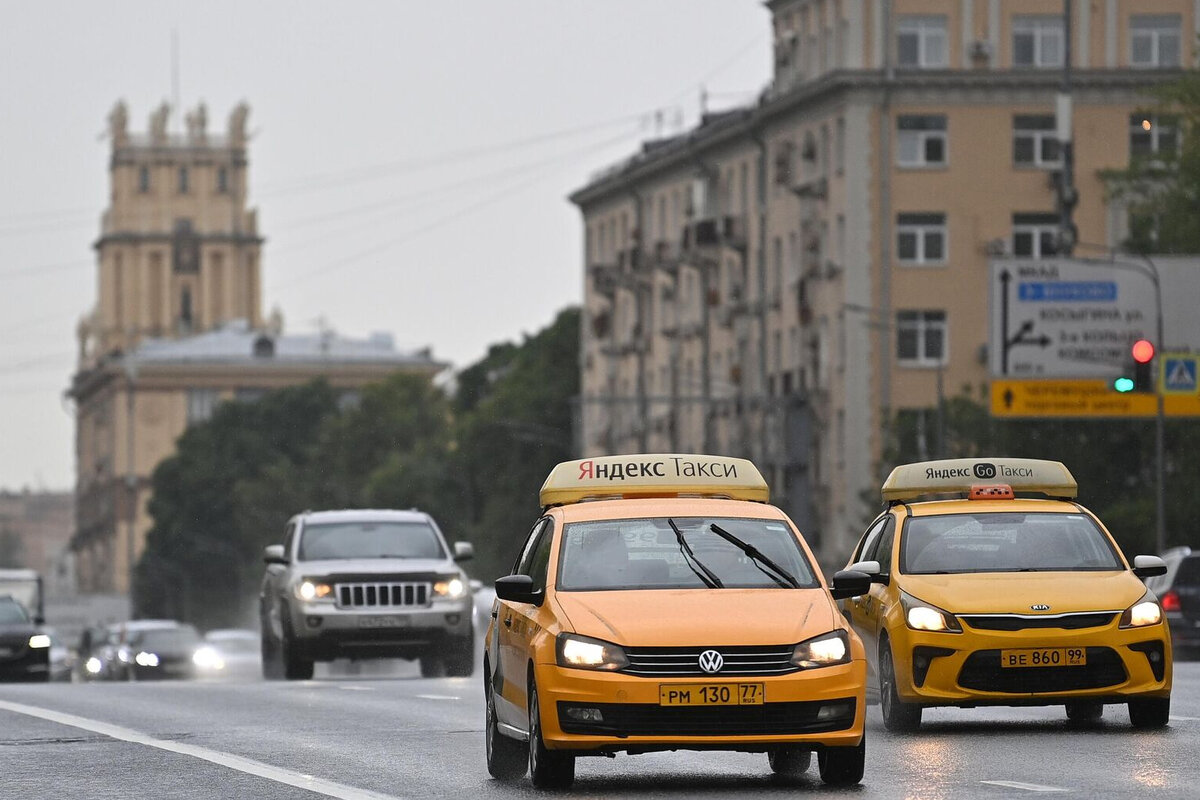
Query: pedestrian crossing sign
[{"x": 1179, "y": 372}]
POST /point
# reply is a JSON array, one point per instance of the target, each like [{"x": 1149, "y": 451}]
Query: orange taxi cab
[
  {"x": 990, "y": 598},
  {"x": 660, "y": 603}
]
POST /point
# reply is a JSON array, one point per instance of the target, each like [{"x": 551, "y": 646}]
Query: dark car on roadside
[
  {"x": 1179, "y": 593},
  {"x": 24, "y": 648},
  {"x": 162, "y": 652}
]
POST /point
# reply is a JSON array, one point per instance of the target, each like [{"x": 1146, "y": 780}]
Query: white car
[{"x": 229, "y": 653}]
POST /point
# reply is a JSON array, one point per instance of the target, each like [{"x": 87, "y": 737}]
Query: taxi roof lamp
[
  {"x": 653, "y": 475},
  {"x": 960, "y": 475}
]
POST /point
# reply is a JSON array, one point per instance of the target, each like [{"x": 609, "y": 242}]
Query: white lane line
[
  {"x": 246, "y": 765},
  {"x": 1029, "y": 787},
  {"x": 438, "y": 697},
  {"x": 356, "y": 688},
  {"x": 1183, "y": 719}
]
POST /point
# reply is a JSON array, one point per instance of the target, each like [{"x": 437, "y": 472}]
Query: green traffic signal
[{"x": 1123, "y": 384}]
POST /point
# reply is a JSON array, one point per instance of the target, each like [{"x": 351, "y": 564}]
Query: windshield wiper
[
  {"x": 702, "y": 572},
  {"x": 784, "y": 578}
]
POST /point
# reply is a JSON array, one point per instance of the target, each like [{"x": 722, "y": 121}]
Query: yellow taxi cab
[
  {"x": 990, "y": 598},
  {"x": 660, "y": 603}
]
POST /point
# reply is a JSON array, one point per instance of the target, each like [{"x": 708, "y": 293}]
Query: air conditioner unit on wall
[
  {"x": 980, "y": 50},
  {"x": 998, "y": 248}
]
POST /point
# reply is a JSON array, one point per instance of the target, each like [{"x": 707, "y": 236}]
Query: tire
[
  {"x": 788, "y": 761},
  {"x": 547, "y": 769},
  {"x": 460, "y": 657},
  {"x": 433, "y": 666},
  {"x": 507, "y": 759},
  {"x": 1084, "y": 711},
  {"x": 898, "y": 716},
  {"x": 272, "y": 665},
  {"x": 294, "y": 667},
  {"x": 843, "y": 766},
  {"x": 1149, "y": 713}
]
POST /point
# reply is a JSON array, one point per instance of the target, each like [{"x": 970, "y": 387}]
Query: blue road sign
[{"x": 1179, "y": 373}]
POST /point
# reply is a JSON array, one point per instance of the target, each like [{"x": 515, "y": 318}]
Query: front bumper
[
  {"x": 25, "y": 663},
  {"x": 633, "y": 721},
  {"x": 963, "y": 669},
  {"x": 323, "y": 632}
]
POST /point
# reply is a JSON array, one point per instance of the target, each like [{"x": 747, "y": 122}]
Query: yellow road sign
[{"x": 1082, "y": 398}]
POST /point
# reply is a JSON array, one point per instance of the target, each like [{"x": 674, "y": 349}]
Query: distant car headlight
[
  {"x": 450, "y": 587},
  {"x": 922, "y": 616},
  {"x": 582, "y": 652},
  {"x": 208, "y": 658},
  {"x": 822, "y": 651},
  {"x": 313, "y": 590},
  {"x": 144, "y": 659},
  {"x": 1144, "y": 612},
  {"x": 39, "y": 641},
  {"x": 93, "y": 666},
  {"x": 123, "y": 655}
]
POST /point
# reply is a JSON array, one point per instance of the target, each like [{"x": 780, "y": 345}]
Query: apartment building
[{"x": 790, "y": 279}]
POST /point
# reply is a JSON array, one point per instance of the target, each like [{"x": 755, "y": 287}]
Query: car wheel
[
  {"x": 1150, "y": 712},
  {"x": 433, "y": 667},
  {"x": 294, "y": 667},
  {"x": 547, "y": 769},
  {"x": 843, "y": 766},
  {"x": 791, "y": 762},
  {"x": 507, "y": 759},
  {"x": 1084, "y": 711},
  {"x": 898, "y": 716},
  {"x": 460, "y": 658},
  {"x": 272, "y": 669}
]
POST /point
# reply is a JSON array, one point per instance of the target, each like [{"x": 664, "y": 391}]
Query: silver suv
[{"x": 365, "y": 584}]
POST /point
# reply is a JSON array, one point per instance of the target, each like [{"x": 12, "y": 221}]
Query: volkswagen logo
[
  {"x": 711, "y": 661},
  {"x": 1040, "y": 607}
]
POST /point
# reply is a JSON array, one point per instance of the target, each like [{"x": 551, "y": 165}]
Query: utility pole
[{"x": 1068, "y": 195}]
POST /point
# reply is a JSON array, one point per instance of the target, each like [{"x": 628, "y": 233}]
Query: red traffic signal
[{"x": 1143, "y": 351}]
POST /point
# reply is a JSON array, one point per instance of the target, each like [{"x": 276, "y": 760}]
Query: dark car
[
  {"x": 1179, "y": 593},
  {"x": 161, "y": 653},
  {"x": 24, "y": 649}
]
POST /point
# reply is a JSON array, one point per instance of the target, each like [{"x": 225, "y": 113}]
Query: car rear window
[
  {"x": 1009, "y": 542},
  {"x": 389, "y": 539}
]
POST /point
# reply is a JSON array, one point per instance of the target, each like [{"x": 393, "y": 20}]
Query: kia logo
[
  {"x": 985, "y": 470},
  {"x": 711, "y": 661},
  {"x": 1040, "y": 607}
]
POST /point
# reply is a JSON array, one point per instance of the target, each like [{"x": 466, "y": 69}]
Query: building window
[
  {"x": 1151, "y": 134},
  {"x": 1154, "y": 40},
  {"x": 1035, "y": 140},
  {"x": 921, "y": 140},
  {"x": 143, "y": 179},
  {"x": 921, "y": 238},
  {"x": 1037, "y": 41},
  {"x": 921, "y": 338},
  {"x": 183, "y": 180},
  {"x": 921, "y": 42},
  {"x": 200, "y": 404},
  {"x": 1035, "y": 235},
  {"x": 222, "y": 180}
]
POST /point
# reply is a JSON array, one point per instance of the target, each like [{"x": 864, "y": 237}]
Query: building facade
[
  {"x": 792, "y": 280},
  {"x": 178, "y": 329}
]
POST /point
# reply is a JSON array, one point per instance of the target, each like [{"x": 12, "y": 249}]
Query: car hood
[
  {"x": 670, "y": 617},
  {"x": 21, "y": 632},
  {"x": 372, "y": 566},
  {"x": 1017, "y": 592}
]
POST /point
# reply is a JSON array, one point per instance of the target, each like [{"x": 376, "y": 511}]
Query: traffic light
[{"x": 1138, "y": 375}]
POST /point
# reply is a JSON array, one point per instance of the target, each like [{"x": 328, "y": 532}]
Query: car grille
[
  {"x": 982, "y": 671},
  {"x": 382, "y": 595},
  {"x": 768, "y": 719},
  {"x": 663, "y": 662},
  {"x": 1019, "y": 622}
]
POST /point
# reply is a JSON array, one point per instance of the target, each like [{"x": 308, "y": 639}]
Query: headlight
[
  {"x": 208, "y": 658},
  {"x": 311, "y": 590},
  {"x": 582, "y": 652},
  {"x": 1144, "y": 612},
  {"x": 123, "y": 655},
  {"x": 39, "y": 641},
  {"x": 822, "y": 651},
  {"x": 450, "y": 587},
  {"x": 93, "y": 665},
  {"x": 144, "y": 659},
  {"x": 922, "y": 616}
]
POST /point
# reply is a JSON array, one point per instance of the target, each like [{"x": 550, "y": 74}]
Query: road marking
[
  {"x": 1184, "y": 719},
  {"x": 1029, "y": 787},
  {"x": 438, "y": 697},
  {"x": 356, "y": 688},
  {"x": 246, "y": 765}
]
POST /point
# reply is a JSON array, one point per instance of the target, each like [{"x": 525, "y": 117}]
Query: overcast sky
[{"x": 409, "y": 160}]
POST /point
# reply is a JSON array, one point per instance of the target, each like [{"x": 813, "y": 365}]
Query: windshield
[
  {"x": 1049, "y": 542},
  {"x": 166, "y": 639},
  {"x": 11, "y": 613},
  {"x": 369, "y": 540},
  {"x": 646, "y": 554}
]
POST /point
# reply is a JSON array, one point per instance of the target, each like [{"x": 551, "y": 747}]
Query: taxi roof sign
[
  {"x": 653, "y": 475},
  {"x": 957, "y": 475}
]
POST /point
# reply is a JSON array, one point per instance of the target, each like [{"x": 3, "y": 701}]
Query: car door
[
  {"x": 868, "y": 611},
  {"x": 508, "y": 663},
  {"x": 274, "y": 587},
  {"x": 855, "y": 608}
]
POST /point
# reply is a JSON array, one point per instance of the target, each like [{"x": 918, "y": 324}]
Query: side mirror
[
  {"x": 518, "y": 589},
  {"x": 850, "y": 583},
  {"x": 1148, "y": 566},
  {"x": 464, "y": 551},
  {"x": 871, "y": 568},
  {"x": 273, "y": 554}
]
